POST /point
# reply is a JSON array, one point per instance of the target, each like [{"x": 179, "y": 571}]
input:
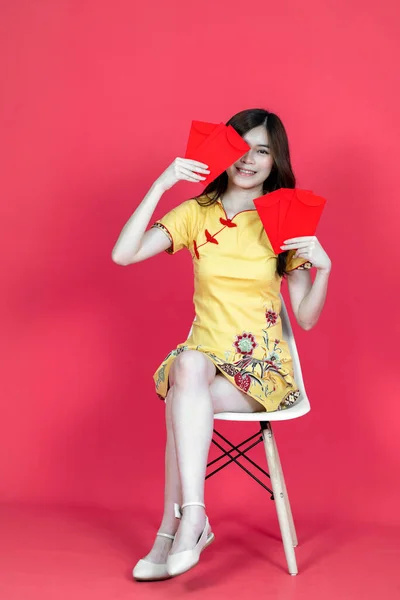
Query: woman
[{"x": 234, "y": 358}]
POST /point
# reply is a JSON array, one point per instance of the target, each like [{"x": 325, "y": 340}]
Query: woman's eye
[{"x": 264, "y": 151}]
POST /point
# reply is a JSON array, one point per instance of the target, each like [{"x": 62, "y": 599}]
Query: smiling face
[{"x": 255, "y": 166}]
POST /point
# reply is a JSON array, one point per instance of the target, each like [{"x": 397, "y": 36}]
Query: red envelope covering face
[
  {"x": 219, "y": 149},
  {"x": 289, "y": 213},
  {"x": 199, "y": 132}
]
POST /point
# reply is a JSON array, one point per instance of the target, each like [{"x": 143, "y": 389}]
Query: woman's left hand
[{"x": 309, "y": 247}]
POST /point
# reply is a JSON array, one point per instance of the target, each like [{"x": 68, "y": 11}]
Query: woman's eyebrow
[{"x": 263, "y": 145}]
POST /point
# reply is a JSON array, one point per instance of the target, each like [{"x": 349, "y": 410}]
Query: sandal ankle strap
[
  {"x": 178, "y": 509},
  {"x": 193, "y": 504},
  {"x": 167, "y": 535}
]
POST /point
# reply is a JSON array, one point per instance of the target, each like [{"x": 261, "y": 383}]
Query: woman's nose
[{"x": 248, "y": 157}]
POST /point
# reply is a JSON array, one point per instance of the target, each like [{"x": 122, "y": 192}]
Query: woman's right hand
[{"x": 182, "y": 169}]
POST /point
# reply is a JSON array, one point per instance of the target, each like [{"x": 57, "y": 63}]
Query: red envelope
[
  {"x": 289, "y": 213},
  {"x": 219, "y": 150},
  {"x": 199, "y": 132}
]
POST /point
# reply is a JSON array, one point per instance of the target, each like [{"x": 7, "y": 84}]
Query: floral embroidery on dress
[
  {"x": 263, "y": 372},
  {"x": 245, "y": 343},
  {"x": 271, "y": 317},
  {"x": 247, "y": 371},
  {"x": 247, "y": 368}
]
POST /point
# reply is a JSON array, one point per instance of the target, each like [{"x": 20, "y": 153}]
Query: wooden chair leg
[
  {"x": 279, "y": 496},
  {"x": 286, "y": 495}
]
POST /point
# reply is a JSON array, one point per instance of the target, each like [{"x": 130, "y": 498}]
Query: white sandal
[
  {"x": 145, "y": 570},
  {"x": 180, "y": 562}
]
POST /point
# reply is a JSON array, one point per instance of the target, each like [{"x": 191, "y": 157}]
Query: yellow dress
[{"x": 236, "y": 298}]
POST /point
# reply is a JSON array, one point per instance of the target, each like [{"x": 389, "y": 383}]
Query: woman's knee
[{"x": 191, "y": 367}]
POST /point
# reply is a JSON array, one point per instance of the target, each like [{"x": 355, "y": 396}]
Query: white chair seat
[{"x": 300, "y": 408}]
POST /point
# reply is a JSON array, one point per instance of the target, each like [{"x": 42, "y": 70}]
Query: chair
[{"x": 266, "y": 435}]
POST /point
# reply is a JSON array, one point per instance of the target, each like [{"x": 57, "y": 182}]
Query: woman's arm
[
  {"x": 307, "y": 298},
  {"x": 134, "y": 243}
]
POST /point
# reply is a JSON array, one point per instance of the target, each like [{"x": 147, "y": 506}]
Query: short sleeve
[
  {"x": 178, "y": 224},
  {"x": 296, "y": 263}
]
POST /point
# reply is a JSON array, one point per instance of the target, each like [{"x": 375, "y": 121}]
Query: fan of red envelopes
[
  {"x": 218, "y": 146},
  {"x": 289, "y": 213}
]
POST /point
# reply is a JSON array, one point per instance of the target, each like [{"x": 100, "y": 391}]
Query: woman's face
[{"x": 255, "y": 166}]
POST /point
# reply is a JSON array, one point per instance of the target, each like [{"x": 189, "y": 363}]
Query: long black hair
[{"x": 281, "y": 174}]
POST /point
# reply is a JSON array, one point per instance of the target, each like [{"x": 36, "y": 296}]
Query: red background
[{"x": 97, "y": 100}]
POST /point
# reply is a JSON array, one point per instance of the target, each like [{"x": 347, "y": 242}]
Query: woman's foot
[
  {"x": 159, "y": 552},
  {"x": 150, "y": 568},
  {"x": 190, "y": 528}
]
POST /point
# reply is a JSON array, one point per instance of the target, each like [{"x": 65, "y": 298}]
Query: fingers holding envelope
[
  {"x": 299, "y": 242},
  {"x": 308, "y": 247},
  {"x": 191, "y": 169},
  {"x": 183, "y": 169}
]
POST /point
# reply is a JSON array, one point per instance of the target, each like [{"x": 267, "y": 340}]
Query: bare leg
[
  {"x": 225, "y": 397},
  {"x": 192, "y": 420},
  {"x": 172, "y": 493},
  {"x": 198, "y": 394}
]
